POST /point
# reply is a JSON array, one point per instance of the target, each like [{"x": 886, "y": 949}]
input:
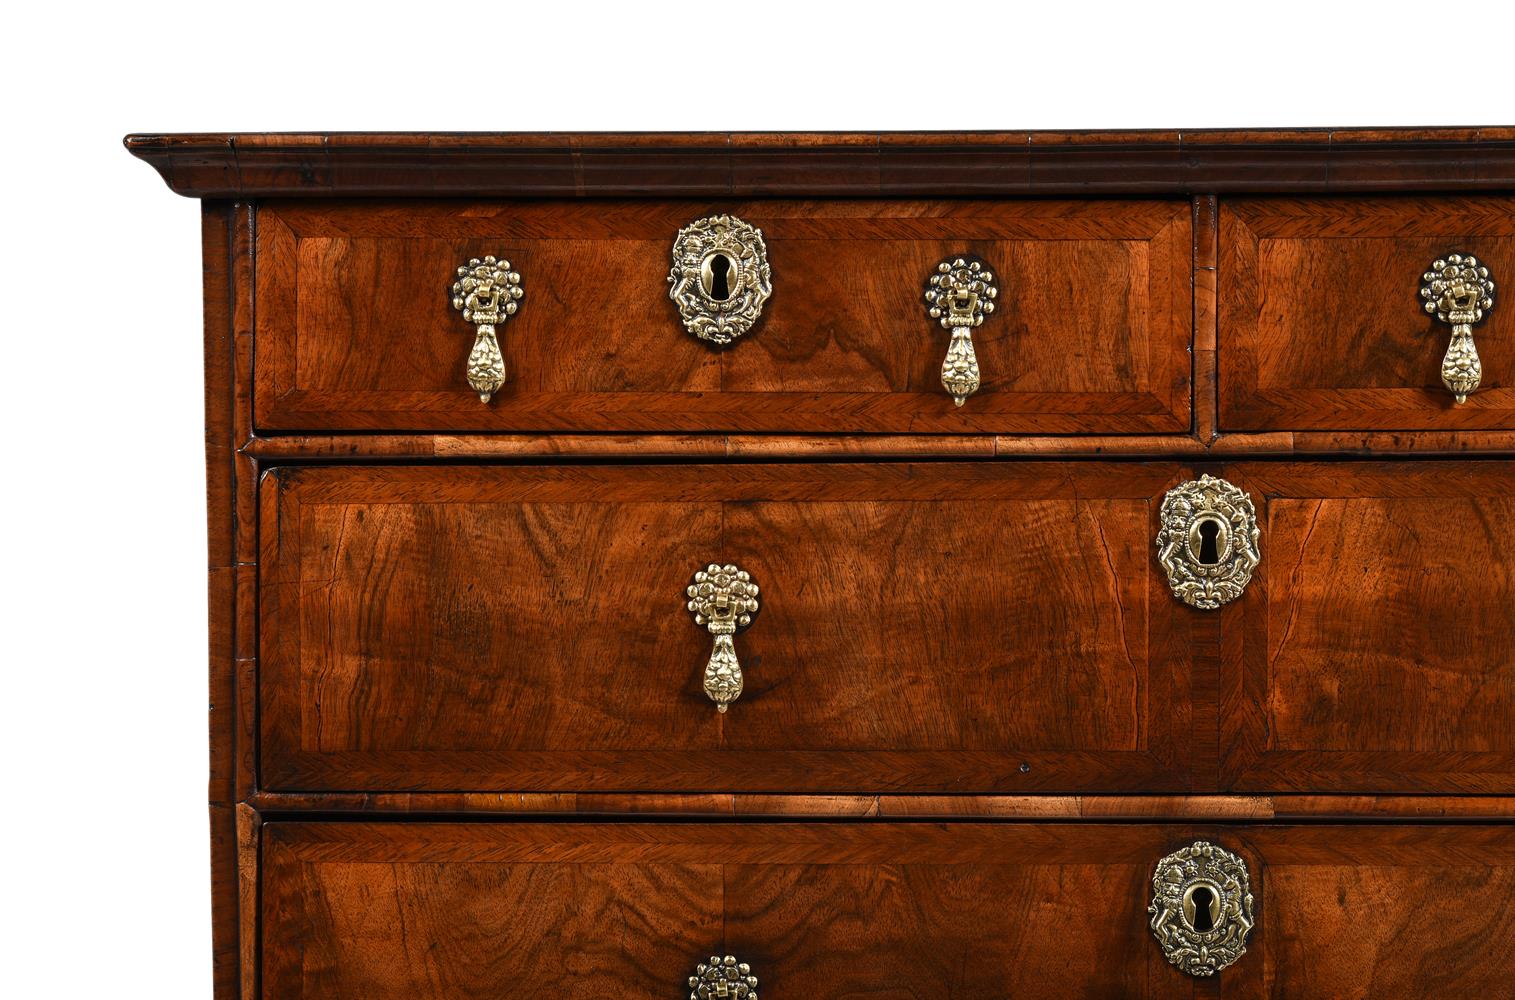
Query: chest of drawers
[{"x": 942, "y": 566}]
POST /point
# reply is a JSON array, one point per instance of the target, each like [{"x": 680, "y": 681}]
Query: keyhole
[
  {"x": 1202, "y": 919},
  {"x": 1201, "y": 906},
  {"x": 715, "y": 276},
  {"x": 1209, "y": 540},
  {"x": 1209, "y": 533}
]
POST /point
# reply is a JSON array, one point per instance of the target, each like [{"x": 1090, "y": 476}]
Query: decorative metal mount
[
  {"x": 959, "y": 294},
  {"x": 1458, "y": 291},
  {"x": 723, "y": 600},
  {"x": 488, "y": 292},
  {"x": 720, "y": 277},
  {"x": 723, "y": 979},
  {"x": 1207, "y": 541},
  {"x": 1201, "y": 908}
]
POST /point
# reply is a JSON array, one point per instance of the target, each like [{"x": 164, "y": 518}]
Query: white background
[{"x": 104, "y": 889}]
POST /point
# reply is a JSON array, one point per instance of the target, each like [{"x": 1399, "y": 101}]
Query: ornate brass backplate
[
  {"x": 488, "y": 293},
  {"x": 723, "y": 600},
  {"x": 720, "y": 277},
  {"x": 959, "y": 294},
  {"x": 1458, "y": 290},
  {"x": 1207, "y": 541},
  {"x": 723, "y": 979},
  {"x": 1201, "y": 908}
]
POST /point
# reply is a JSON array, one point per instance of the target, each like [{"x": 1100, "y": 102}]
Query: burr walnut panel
[
  {"x": 355, "y": 329},
  {"x": 1321, "y": 325},
  {"x": 969, "y": 911},
  {"x": 942, "y": 627},
  {"x": 1374, "y": 650}
]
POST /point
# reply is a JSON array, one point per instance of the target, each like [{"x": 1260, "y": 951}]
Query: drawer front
[
  {"x": 1375, "y": 647},
  {"x": 936, "y": 627},
  {"x": 356, "y": 329},
  {"x": 972, "y": 911},
  {"x": 1321, "y": 320}
]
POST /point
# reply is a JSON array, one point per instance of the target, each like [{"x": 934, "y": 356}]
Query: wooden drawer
[
  {"x": 1321, "y": 325},
  {"x": 947, "y": 627},
  {"x": 963, "y": 628},
  {"x": 963, "y": 910},
  {"x": 355, "y": 328}
]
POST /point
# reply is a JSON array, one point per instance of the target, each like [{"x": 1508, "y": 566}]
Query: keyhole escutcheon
[{"x": 716, "y": 274}]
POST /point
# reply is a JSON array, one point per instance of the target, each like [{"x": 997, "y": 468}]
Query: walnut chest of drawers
[{"x": 939, "y": 566}]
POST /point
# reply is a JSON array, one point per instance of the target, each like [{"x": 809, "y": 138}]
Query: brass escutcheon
[
  {"x": 1207, "y": 541},
  {"x": 720, "y": 278},
  {"x": 1201, "y": 908}
]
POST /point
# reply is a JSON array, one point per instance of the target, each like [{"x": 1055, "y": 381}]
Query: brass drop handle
[
  {"x": 959, "y": 294},
  {"x": 723, "y": 979},
  {"x": 723, "y": 600},
  {"x": 1201, "y": 908},
  {"x": 1458, "y": 291},
  {"x": 488, "y": 293}
]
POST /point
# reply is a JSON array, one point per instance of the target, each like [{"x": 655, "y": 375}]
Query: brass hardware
[
  {"x": 723, "y": 979},
  {"x": 1207, "y": 541},
  {"x": 1458, "y": 291},
  {"x": 959, "y": 294},
  {"x": 488, "y": 292},
  {"x": 723, "y": 599},
  {"x": 720, "y": 277},
  {"x": 1201, "y": 908}
]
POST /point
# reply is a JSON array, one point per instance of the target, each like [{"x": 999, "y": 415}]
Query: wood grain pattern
[
  {"x": 865, "y": 164},
  {"x": 230, "y": 932},
  {"x": 467, "y": 910},
  {"x": 1321, "y": 326},
  {"x": 1375, "y": 649},
  {"x": 964, "y": 911},
  {"x": 1363, "y": 913},
  {"x": 932, "y": 627},
  {"x": 1206, "y": 254},
  {"x": 701, "y": 447},
  {"x": 1092, "y": 331},
  {"x": 1011, "y": 927},
  {"x": 1150, "y": 808},
  {"x": 389, "y": 929},
  {"x": 245, "y": 891}
]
